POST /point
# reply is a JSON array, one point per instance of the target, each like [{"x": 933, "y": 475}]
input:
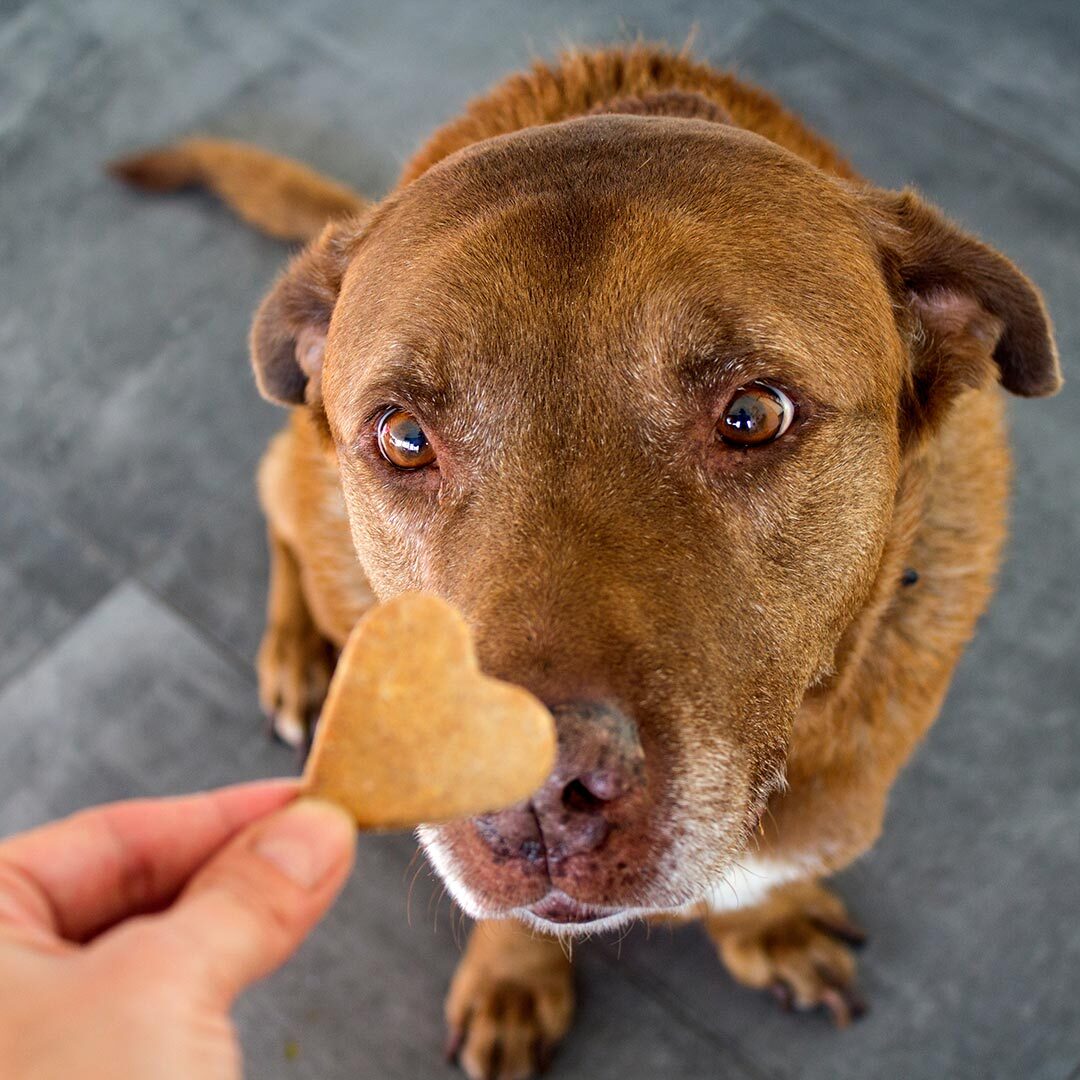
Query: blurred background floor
[{"x": 132, "y": 561}]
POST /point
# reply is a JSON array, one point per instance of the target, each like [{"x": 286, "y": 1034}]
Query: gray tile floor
[{"x": 132, "y": 564}]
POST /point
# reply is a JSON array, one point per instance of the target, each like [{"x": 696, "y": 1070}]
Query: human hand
[{"x": 127, "y": 931}]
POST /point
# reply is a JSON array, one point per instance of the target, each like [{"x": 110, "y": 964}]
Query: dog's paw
[
  {"x": 798, "y": 945},
  {"x": 294, "y": 665},
  {"x": 507, "y": 1012},
  {"x": 501, "y": 1029}
]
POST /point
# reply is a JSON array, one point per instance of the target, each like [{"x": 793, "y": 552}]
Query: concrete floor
[{"x": 132, "y": 562}]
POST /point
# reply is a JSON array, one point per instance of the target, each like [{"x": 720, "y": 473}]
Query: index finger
[{"x": 79, "y": 876}]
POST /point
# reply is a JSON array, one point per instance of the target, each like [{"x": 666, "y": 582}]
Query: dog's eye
[
  {"x": 757, "y": 414},
  {"x": 402, "y": 440}
]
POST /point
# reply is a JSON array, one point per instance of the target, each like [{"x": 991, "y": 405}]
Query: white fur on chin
[{"x": 745, "y": 884}]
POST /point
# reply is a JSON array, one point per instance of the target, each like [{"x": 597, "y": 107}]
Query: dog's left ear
[
  {"x": 969, "y": 314},
  {"x": 288, "y": 335}
]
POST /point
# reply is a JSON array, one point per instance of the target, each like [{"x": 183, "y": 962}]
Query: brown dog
[{"x": 704, "y": 437}]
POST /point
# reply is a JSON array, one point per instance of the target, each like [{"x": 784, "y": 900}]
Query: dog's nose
[
  {"x": 600, "y": 764},
  {"x": 600, "y": 767}
]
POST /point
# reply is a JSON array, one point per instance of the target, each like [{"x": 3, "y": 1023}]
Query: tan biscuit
[{"x": 413, "y": 732}]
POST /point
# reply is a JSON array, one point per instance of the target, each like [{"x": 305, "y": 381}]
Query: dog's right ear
[
  {"x": 969, "y": 317},
  {"x": 288, "y": 336}
]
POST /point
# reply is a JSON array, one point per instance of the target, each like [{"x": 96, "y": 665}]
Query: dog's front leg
[
  {"x": 510, "y": 1002},
  {"x": 295, "y": 661},
  {"x": 797, "y": 943}
]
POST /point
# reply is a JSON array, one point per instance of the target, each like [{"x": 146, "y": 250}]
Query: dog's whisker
[
  {"x": 409, "y": 893},
  {"x": 457, "y": 924},
  {"x": 437, "y": 899}
]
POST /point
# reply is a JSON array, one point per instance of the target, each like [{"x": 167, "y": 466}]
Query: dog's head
[{"x": 635, "y": 394}]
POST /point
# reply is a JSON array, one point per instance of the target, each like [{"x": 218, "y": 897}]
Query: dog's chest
[{"x": 750, "y": 881}]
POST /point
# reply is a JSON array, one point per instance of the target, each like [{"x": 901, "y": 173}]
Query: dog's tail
[{"x": 275, "y": 194}]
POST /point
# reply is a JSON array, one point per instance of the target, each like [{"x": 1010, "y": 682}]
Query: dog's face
[{"x": 634, "y": 395}]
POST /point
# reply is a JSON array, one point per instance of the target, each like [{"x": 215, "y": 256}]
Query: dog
[{"x": 704, "y": 436}]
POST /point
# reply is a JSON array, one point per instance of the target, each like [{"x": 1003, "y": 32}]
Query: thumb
[{"x": 252, "y": 905}]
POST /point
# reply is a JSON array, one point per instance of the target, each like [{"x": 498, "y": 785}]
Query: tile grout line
[
  {"x": 38, "y": 654},
  {"x": 224, "y": 652},
  {"x": 976, "y": 119},
  {"x": 121, "y": 574},
  {"x": 220, "y": 648}
]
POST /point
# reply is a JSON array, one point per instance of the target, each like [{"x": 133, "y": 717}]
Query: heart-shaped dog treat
[{"x": 413, "y": 732}]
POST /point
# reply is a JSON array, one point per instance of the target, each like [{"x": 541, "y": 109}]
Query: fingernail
[{"x": 306, "y": 840}]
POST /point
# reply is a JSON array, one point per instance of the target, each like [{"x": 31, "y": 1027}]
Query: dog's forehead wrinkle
[
  {"x": 450, "y": 207},
  {"x": 615, "y": 152}
]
